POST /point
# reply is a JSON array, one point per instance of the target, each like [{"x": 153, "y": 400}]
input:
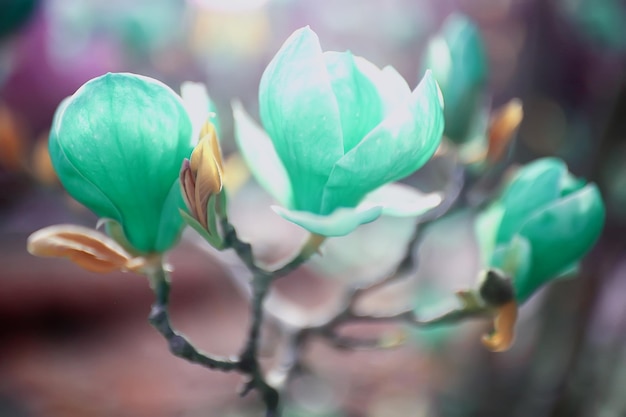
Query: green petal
[
  {"x": 560, "y": 235},
  {"x": 458, "y": 60},
  {"x": 261, "y": 157},
  {"x": 340, "y": 223},
  {"x": 300, "y": 113},
  {"x": 88, "y": 193},
  {"x": 486, "y": 228},
  {"x": 392, "y": 87},
  {"x": 394, "y": 149},
  {"x": 171, "y": 223},
  {"x": 123, "y": 136},
  {"x": 360, "y": 106},
  {"x": 399, "y": 200},
  {"x": 533, "y": 187}
]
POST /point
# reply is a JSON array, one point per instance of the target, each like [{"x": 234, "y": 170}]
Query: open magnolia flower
[
  {"x": 545, "y": 221},
  {"x": 117, "y": 145},
  {"x": 339, "y": 131}
]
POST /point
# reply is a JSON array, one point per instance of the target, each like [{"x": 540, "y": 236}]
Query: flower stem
[
  {"x": 262, "y": 279},
  {"x": 178, "y": 344}
]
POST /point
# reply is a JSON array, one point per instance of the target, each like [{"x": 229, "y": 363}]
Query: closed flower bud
[
  {"x": 456, "y": 56},
  {"x": 201, "y": 183},
  {"x": 545, "y": 221},
  {"x": 117, "y": 145}
]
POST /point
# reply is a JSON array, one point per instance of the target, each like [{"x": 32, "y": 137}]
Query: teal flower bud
[
  {"x": 456, "y": 56},
  {"x": 338, "y": 130},
  {"x": 545, "y": 221},
  {"x": 117, "y": 145}
]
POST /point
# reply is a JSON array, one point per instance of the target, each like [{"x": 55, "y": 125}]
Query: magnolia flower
[
  {"x": 338, "y": 130},
  {"x": 117, "y": 145},
  {"x": 545, "y": 221},
  {"x": 537, "y": 231},
  {"x": 456, "y": 55}
]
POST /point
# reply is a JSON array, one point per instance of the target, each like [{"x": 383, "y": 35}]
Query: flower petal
[
  {"x": 392, "y": 87},
  {"x": 90, "y": 194},
  {"x": 360, "y": 106},
  {"x": 560, "y": 234},
  {"x": 167, "y": 235},
  {"x": 458, "y": 61},
  {"x": 486, "y": 227},
  {"x": 300, "y": 113},
  {"x": 341, "y": 222},
  {"x": 401, "y": 200},
  {"x": 533, "y": 187},
  {"x": 261, "y": 157},
  {"x": 394, "y": 149},
  {"x": 200, "y": 108}
]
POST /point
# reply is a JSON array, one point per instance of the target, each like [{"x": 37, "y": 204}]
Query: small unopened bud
[
  {"x": 201, "y": 179},
  {"x": 201, "y": 176}
]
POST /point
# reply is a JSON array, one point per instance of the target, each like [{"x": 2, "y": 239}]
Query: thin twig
[
  {"x": 262, "y": 279},
  {"x": 327, "y": 326},
  {"x": 178, "y": 344}
]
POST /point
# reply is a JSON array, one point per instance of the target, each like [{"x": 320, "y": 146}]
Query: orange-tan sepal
[
  {"x": 503, "y": 335},
  {"x": 88, "y": 248},
  {"x": 504, "y": 123},
  {"x": 201, "y": 175}
]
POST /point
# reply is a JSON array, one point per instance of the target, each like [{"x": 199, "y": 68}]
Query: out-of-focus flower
[
  {"x": 16, "y": 13},
  {"x": 456, "y": 56},
  {"x": 545, "y": 221},
  {"x": 201, "y": 179},
  {"x": 339, "y": 130},
  {"x": 117, "y": 145},
  {"x": 12, "y": 140}
]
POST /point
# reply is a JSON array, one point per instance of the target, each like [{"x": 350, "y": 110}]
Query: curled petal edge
[
  {"x": 399, "y": 200},
  {"x": 339, "y": 223}
]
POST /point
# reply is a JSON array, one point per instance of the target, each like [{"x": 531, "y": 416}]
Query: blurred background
[{"x": 74, "y": 343}]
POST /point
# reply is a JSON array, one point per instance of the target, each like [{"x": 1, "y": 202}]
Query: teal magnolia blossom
[
  {"x": 338, "y": 130},
  {"x": 117, "y": 146},
  {"x": 545, "y": 221},
  {"x": 456, "y": 55}
]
